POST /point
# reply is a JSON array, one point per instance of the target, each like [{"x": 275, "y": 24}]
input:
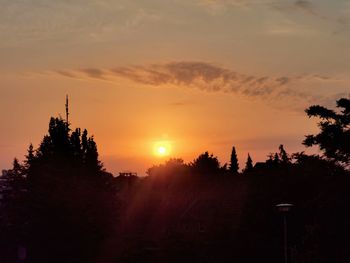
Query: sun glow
[{"x": 162, "y": 149}]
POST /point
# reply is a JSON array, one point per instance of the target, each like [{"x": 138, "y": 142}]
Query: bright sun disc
[{"x": 162, "y": 148}]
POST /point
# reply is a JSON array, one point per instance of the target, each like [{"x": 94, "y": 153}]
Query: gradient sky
[{"x": 198, "y": 74}]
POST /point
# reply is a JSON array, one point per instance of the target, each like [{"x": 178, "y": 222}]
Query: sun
[{"x": 162, "y": 148}]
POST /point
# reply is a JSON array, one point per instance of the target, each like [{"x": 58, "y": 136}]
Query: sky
[{"x": 189, "y": 75}]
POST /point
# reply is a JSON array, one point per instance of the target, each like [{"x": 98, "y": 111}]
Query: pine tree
[
  {"x": 17, "y": 168},
  {"x": 84, "y": 141},
  {"x": 249, "y": 164},
  {"x": 91, "y": 157},
  {"x": 29, "y": 157},
  {"x": 76, "y": 144},
  {"x": 234, "y": 162}
]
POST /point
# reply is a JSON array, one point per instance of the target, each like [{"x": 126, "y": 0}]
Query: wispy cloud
[
  {"x": 302, "y": 5},
  {"x": 337, "y": 17},
  {"x": 296, "y": 6},
  {"x": 64, "y": 21},
  {"x": 66, "y": 73},
  {"x": 200, "y": 75},
  {"x": 217, "y": 7},
  {"x": 203, "y": 76},
  {"x": 306, "y": 6},
  {"x": 287, "y": 27},
  {"x": 179, "y": 103},
  {"x": 343, "y": 19},
  {"x": 94, "y": 73},
  {"x": 234, "y": 2}
]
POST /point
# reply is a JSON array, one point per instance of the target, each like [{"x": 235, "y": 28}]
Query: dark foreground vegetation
[{"x": 60, "y": 205}]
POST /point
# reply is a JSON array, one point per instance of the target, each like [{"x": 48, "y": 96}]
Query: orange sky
[{"x": 201, "y": 75}]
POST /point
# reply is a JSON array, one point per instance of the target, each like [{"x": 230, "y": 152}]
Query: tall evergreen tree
[
  {"x": 248, "y": 164},
  {"x": 233, "y": 162},
  {"x": 75, "y": 140},
  {"x": 30, "y": 155},
  {"x": 17, "y": 168},
  {"x": 91, "y": 157},
  {"x": 84, "y": 141}
]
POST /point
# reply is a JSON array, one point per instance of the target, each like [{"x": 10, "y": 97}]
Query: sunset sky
[{"x": 188, "y": 75}]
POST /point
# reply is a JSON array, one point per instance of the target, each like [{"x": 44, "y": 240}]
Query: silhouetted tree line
[
  {"x": 333, "y": 139},
  {"x": 208, "y": 165},
  {"x": 60, "y": 205}
]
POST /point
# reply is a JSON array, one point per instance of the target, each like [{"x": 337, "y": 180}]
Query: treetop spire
[{"x": 67, "y": 109}]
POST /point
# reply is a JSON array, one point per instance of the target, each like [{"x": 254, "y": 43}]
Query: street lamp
[{"x": 284, "y": 209}]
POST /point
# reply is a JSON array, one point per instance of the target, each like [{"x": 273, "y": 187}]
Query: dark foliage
[
  {"x": 334, "y": 136},
  {"x": 317, "y": 226},
  {"x": 206, "y": 164},
  {"x": 248, "y": 165},
  {"x": 171, "y": 167},
  {"x": 283, "y": 155},
  {"x": 60, "y": 203},
  {"x": 234, "y": 162}
]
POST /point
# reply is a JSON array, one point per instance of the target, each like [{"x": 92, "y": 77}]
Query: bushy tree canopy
[
  {"x": 334, "y": 136},
  {"x": 206, "y": 164},
  {"x": 64, "y": 151},
  {"x": 173, "y": 166}
]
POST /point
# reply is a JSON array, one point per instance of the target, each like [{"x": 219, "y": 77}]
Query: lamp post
[{"x": 284, "y": 209}]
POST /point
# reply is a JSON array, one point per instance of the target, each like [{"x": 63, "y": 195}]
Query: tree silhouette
[
  {"x": 62, "y": 194},
  {"x": 233, "y": 162},
  {"x": 91, "y": 161},
  {"x": 334, "y": 136},
  {"x": 30, "y": 157},
  {"x": 173, "y": 166},
  {"x": 248, "y": 164},
  {"x": 17, "y": 168},
  {"x": 276, "y": 159},
  {"x": 206, "y": 164},
  {"x": 75, "y": 140},
  {"x": 16, "y": 177},
  {"x": 64, "y": 152},
  {"x": 283, "y": 156}
]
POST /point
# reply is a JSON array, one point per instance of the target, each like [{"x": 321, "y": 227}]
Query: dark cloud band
[{"x": 204, "y": 76}]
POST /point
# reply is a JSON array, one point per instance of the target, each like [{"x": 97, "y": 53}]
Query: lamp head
[{"x": 284, "y": 208}]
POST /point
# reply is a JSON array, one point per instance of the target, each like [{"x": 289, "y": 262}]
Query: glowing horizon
[{"x": 203, "y": 75}]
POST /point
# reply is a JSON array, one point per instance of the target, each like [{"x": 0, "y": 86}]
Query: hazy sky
[{"x": 197, "y": 74}]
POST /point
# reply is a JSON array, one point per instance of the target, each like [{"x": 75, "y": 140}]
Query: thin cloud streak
[
  {"x": 206, "y": 77},
  {"x": 203, "y": 76},
  {"x": 94, "y": 73},
  {"x": 66, "y": 73},
  {"x": 307, "y": 7}
]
